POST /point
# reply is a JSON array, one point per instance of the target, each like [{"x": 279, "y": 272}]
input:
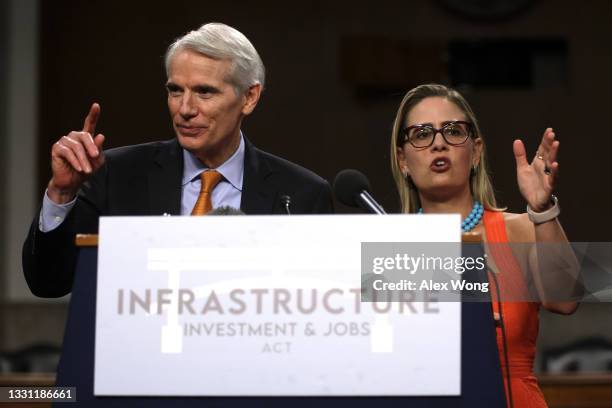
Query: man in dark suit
[{"x": 215, "y": 79}]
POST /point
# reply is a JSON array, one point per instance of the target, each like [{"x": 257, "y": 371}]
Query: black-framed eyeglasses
[{"x": 421, "y": 136}]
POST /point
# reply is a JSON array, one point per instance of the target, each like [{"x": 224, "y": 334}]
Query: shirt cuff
[{"x": 52, "y": 215}]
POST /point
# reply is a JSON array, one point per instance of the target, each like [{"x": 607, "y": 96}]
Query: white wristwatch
[{"x": 542, "y": 217}]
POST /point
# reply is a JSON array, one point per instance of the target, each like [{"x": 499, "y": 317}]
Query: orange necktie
[{"x": 209, "y": 180}]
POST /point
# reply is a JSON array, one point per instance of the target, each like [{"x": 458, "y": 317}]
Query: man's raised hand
[{"x": 74, "y": 158}]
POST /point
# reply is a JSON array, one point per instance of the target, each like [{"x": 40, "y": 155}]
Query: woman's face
[{"x": 441, "y": 169}]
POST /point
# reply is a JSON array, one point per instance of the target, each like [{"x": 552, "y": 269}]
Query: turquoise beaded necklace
[{"x": 473, "y": 218}]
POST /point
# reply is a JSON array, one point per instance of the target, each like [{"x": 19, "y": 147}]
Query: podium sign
[{"x": 266, "y": 306}]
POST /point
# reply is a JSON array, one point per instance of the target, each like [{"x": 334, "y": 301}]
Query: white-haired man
[{"x": 215, "y": 79}]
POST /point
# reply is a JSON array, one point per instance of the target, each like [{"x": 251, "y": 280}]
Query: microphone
[
  {"x": 352, "y": 188},
  {"x": 225, "y": 210},
  {"x": 286, "y": 201}
]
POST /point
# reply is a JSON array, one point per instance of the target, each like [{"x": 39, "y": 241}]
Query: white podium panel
[{"x": 265, "y": 305}]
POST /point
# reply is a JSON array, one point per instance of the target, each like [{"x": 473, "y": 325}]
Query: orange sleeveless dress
[{"x": 521, "y": 320}]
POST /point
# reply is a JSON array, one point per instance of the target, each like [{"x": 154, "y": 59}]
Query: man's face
[{"x": 205, "y": 109}]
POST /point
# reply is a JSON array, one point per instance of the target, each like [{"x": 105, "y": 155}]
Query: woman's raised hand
[{"x": 536, "y": 180}]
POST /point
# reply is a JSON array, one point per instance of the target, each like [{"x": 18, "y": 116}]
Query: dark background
[{"x": 336, "y": 72}]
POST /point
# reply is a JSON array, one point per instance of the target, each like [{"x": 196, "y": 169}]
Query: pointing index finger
[{"x": 89, "y": 125}]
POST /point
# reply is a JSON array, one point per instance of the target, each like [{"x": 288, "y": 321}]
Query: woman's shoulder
[{"x": 518, "y": 227}]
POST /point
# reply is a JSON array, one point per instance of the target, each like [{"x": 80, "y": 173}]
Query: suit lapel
[
  {"x": 258, "y": 194},
  {"x": 164, "y": 179}
]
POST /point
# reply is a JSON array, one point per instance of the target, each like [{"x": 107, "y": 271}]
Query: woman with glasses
[{"x": 439, "y": 165}]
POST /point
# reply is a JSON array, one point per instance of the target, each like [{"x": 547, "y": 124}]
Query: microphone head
[
  {"x": 225, "y": 210},
  {"x": 348, "y": 184},
  {"x": 285, "y": 199}
]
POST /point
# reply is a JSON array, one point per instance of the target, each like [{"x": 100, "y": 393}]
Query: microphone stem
[{"x": 371, "y": 204}]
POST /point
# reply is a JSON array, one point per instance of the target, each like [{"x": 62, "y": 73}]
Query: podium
[{"x": 481, "y": 378}]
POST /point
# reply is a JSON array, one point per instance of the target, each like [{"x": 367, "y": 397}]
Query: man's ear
[{"x": 251, "y": 97}]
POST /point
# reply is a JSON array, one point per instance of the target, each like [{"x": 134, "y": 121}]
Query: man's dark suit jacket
[{"x": 146, "y": 180}]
